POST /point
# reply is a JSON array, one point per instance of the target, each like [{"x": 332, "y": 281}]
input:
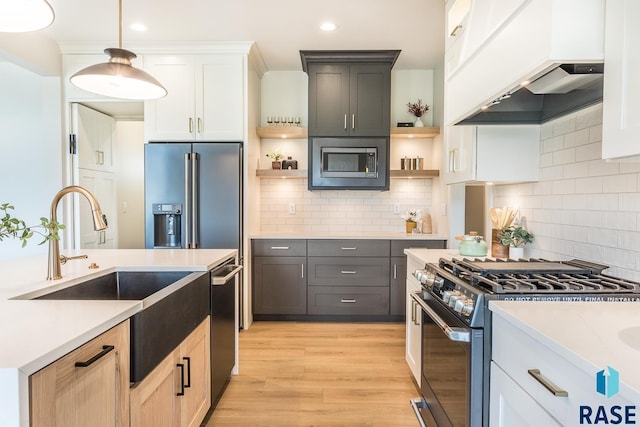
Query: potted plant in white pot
[{"x": 515, "y": 236}]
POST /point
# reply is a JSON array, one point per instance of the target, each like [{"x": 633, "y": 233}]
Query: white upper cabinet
[
  {"x": 621, "y": 112},
  {"x": 94, "y": 133},
  {"x": 506, "y": 42},
  {"x": 492, "y": 153},
  {"x": 204, "y": 101}
]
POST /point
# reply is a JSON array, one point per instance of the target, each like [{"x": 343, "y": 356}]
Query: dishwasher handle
[{"x": 217, "y": 279}]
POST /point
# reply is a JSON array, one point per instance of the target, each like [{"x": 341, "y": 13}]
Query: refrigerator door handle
[
  {"x": 195, "y": 173},
  {"x": 187, "y": 204}
]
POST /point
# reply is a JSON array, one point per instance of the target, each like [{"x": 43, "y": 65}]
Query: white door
[{"x": 103, "y": 186}]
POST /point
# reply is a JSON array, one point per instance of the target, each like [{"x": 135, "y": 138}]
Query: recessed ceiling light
[
  {"x": 138, "y": 27},
  {"x": 328, "y": 26}
]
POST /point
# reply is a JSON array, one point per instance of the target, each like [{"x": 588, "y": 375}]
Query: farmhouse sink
[
  {"x": 121, "y": 285},
  {"x": 173, "y": 304}
]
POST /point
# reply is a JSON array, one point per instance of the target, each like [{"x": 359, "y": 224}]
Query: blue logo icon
[{"x": 608, "y": 382}]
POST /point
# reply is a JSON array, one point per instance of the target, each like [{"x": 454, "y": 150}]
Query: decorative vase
[
  {"x": 418, "y": 123},
  {"x": 498, "y": 250},
  {"x": 410, "y": 226},
  {"x": 516, "y": 253},
  {"x": 276, "y": 165}
]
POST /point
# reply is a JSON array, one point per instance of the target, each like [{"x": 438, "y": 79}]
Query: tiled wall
[
  {"x": 582, "y": 207},
  {"x": 340, "y": 211}
]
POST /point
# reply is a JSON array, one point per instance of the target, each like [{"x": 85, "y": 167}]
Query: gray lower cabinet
[
  {"x": 279, "y": 282},
  {"x": 331, "y": 277}
]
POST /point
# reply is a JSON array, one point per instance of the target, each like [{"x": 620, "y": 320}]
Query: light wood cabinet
[
  {"x": 87, "y": 387},
  {"x": 621, "y": 113},
  {"x": 178, "y": 391},
  {"x": 492, "y": 153},
  {"x": 204, "y": 100}
]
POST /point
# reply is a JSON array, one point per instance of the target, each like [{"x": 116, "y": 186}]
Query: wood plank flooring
[{"x": 319, "y": 374}]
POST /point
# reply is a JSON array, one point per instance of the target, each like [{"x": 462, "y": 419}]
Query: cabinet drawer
[
  {"x": 517, "y": 353},
  {"x": 398, "y": 246},
  {"x": 277, "y": 247},
  {"x": 348, "y": 271},
  {"x": 370, "y": 300},
  {"x": 349, "y": 247}
]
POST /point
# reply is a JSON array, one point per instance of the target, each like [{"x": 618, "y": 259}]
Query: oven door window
[{"x": 446, "y": 381}]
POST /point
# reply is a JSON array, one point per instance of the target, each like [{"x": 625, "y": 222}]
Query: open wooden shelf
[
  {"x": 281, "y": 173},
  {"x": 282, "y": 132},
  {"x": 413, "y": 132},
  {"x": 427, "y": 173}
]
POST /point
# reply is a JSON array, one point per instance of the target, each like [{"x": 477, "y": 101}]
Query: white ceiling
[{"x": 280, "y": 28}]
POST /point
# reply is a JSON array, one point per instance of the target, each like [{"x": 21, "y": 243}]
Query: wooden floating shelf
[
  {"x": 302, "y": 173},
  {"x": 281, "y": 173},
  {"x": 413, "y": 132},
  {"x": 427, "y": 173},
  {"x": 282, "y": 132}
]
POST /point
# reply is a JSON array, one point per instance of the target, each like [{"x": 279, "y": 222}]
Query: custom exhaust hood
[{"x": 562, "y": 90}]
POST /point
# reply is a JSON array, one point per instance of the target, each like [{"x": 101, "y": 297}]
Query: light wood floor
[{"x": 319, "y": 374}]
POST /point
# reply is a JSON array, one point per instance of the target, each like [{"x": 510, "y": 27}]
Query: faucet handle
[
  {"x": 64, "y": 259},
  {"x": 104, "y": 218}
]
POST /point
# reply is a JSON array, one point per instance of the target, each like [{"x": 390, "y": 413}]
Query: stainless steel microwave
[{"x": 349, "y": 163}]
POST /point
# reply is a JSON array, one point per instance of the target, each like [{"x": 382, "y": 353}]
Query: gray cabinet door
[
  {"x": 279, "y": 285},
  {"x": 370, "y": 100},
  {"x": 349, "y": 248},
  {"x": 398, "y": 285},
  {"x": 348, "y": 271},
  {"x": 349, "y": 99},
  {"x": 328, "y": 100}
]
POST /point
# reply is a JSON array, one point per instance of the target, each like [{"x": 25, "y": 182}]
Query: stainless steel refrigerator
[{"x": 193, "y": 195}]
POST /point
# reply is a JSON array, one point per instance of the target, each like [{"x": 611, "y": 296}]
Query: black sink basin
[
  {"x": 174, "y": 303},
  {"x": 121, "y": 285}
]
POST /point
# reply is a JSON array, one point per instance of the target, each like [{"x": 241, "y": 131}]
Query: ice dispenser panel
[{"x": 167, "y": 225}]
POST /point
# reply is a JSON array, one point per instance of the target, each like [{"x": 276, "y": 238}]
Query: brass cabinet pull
[
  {"x": 199, "y": 125},
  {"x": 553, "y": 389},
  {"x": 454, "y": 32},
  {"x": 190, "y": 124}
]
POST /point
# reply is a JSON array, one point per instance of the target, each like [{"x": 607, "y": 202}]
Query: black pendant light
[{"x": 118, "y": 78}]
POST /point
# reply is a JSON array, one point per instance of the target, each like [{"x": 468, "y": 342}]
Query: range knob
[
  {"x": 419, "y": 275},
  {"x": 464, "y": 306},
  {"x": 453, "y": 298}
]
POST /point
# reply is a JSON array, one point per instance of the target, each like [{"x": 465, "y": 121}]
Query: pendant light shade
[
  {"x": 118, "y": 78},
  {"x": 18, "y": 16}
]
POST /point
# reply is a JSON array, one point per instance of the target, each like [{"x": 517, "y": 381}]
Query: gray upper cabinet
[{"x": 349, "y": 92}]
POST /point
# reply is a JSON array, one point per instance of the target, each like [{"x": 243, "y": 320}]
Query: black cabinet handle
[
  {"x": 105, "y": 349},
  {"x": 181, "y": 392},
  {"x": 188, "y": 383}
]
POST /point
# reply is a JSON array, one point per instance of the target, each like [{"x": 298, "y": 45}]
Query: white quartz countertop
[
  {"x": 345, "y": 235},
  {"x": 424, "y": 256},
  {"x": 591, "y": 335},
  {"x": 35, "y": 333}
]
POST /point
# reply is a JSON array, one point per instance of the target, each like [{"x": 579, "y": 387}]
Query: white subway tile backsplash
[
  {"x": 589, "y": 117},
  {"x": 576, "y": 170},
  {"x": 577, "y": 138},
  {"x": 622, "y": 183},
  {"x": 564, "y": 125},
  {"x": 552, "y": 144},
  {"x": 602, "y": 202},
  {"x": 591, "y": 151},
  {"x": 562, "y": 157},
  {"x": 602, "y": 168},
  {"x": 551, "y": 173},
  {"x": 589, "y": 185}
]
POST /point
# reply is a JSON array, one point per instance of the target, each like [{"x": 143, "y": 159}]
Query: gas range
[
  {"x": 466, "y": 285},
  {"x": 455, "y": 321}
]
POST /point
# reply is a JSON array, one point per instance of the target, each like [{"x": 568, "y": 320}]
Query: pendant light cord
[{"x": 120, "y": 24}]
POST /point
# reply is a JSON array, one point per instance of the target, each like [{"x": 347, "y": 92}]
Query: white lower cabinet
[
  {"x": 511, "y": 406},
  {"x": 87, "y": 387},
  {"x": 533, "y": 385},
  {"x": 178, "y": 391},
  {"x": 414, "y": 322}
]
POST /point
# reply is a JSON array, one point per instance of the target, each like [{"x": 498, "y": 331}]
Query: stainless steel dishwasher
[{"x": 223, "y": 326}]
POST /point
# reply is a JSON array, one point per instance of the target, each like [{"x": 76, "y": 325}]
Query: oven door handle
[{"x": 453, "y": 333}]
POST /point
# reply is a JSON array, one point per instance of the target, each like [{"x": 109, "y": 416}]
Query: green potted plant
[
  {"x": 516, "y": 237},
  {"x": 275, "y": 156},
  {"x": 417, "y": 109},
  {"x": 12, "y": 227}
]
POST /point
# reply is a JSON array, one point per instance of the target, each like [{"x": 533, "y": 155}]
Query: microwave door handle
[{"x": 453, "y": 333}]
